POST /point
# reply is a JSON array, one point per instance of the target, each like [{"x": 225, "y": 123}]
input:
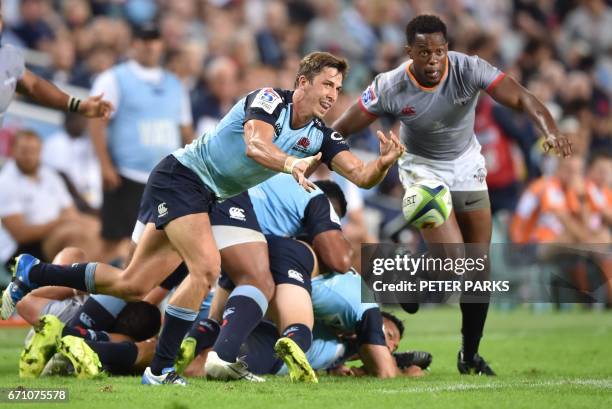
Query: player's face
[
  {"x": 323, "y": 91},
  {"x": 392, "y": 334},
  {"x": 428, "y": 54}
]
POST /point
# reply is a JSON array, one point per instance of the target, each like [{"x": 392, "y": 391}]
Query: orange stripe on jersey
[
  {"x": 424, "y": 88},
  {"x": 496, "y": 81},
  {"x": 364, "y": 109}
]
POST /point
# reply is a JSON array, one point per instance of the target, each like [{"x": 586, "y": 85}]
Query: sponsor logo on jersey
[
  {"x": 278, "y": 128},
  {"x": 369, "y": 96},
  {"x": 229, "y": 311},
  {"x": 295, "y": 275},
  {"x": 336, "y": 136},
  {"x": 237, "y": 213},
  {"x": 462, "y": 101},
  {"x": 408, "y": 110},
  {"x": 266, "y": 99},
  {"x": 162, "y": 209}
]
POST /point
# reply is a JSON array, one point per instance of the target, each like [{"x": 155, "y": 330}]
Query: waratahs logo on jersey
[
  {"x": 302, "y": 145},
  {"x": 369, "y": 96}
]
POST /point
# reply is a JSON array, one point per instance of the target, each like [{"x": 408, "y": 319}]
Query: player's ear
[{"x": 408, "y": 50}]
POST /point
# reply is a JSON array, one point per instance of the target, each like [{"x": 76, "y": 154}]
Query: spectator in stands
[
  {"x": 152, "y": 119},
  {"x": 82, "y": 171},
  {"x": 33, "y": 30},
  {"x": 37, "y": 211},
  {"x": 216, "y": 94},
  {"x": 564, "y": 208}
]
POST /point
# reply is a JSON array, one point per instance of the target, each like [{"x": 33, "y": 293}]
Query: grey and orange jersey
[
  {"x": 12, "y": 68},
  {"x": 437, "y": 122}
]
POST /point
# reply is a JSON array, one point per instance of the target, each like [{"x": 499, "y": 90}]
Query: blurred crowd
[{"x": 221, "y": 49}]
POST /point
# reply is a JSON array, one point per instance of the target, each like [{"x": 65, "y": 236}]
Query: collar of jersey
[{"x": 422, "y": 87}]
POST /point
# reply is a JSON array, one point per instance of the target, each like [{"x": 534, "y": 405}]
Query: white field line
[{"x": 591, "y": 383}]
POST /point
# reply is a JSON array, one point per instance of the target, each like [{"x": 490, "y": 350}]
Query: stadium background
[{"x": 221, "y": 49}]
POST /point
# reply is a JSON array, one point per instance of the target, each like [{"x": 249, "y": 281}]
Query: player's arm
[
  {"x": 513, "y": 95},
  {"x": 258, "y": 137},
  {"x": 373, "y": 351},
  {"x": 333, "y": 250},
  {"x": 354, "y": 120},
  {"x": 367, "y": 175},
  {"x": 47, "y": 94}
]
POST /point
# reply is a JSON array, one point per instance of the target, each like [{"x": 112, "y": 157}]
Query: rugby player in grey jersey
[
  {"x": 434, "y": 96},
  {"x": 15, "y": 77}
]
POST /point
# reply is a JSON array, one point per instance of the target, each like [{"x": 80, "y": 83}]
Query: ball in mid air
[{"x": 427, "y": 204}]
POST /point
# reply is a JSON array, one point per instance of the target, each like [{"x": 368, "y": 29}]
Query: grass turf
[{"x": 546, "y": 360}]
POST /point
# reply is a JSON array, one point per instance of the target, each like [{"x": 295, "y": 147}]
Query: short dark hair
[
  {"x": 333, "y": 192},
  {"x": 398, "y": 323},
  {"x": 424, "y": 24},
  {"x": 139, "y": 320},
  {"x": 312, "y": 64}
]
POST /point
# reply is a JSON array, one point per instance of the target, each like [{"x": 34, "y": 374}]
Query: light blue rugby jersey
[
  {"x": 283, "y": 208},
  {"x": 219, "y": 157},
  {"x": 336, "y": 300}
]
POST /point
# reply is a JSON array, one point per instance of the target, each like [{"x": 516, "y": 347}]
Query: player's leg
[
  {"x": 204, "y": 332},
  {"x": 476, "y": 227},
  {"x": 154, "y": 259},
  {"x": 247, "y": 265},
  {"x": 291, "y": 309},
  {"x": 191, "y": 236}
]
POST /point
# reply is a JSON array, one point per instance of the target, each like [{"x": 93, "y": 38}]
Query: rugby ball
[{"x": 427, "y": 204}]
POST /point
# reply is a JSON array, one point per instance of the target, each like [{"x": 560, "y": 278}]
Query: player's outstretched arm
[
  {"x": 378, "y": 361},
  {"x": 368, "y": 175},
  {"x": 513, "y": 95},
  {"x": 353, "y": 120},
  {"x": 49, "y": 95},
  {"x": 258, "y": 137}
]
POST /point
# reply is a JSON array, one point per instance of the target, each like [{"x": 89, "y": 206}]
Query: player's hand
[
  {"x": 96, "y": 107},
  {"x": 110, "y": 178},
  {"x": 390, "y": 148},
  {"x": 298, "y": 167},
  {"x": 559, "y": 144}
]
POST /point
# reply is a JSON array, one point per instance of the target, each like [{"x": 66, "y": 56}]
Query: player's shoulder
[
  {"x": 394, "y": 78},
  {"x": 13, "y": 55},
  {"x": 268, "y": 98},
  {"x": 463, "y": 62}
]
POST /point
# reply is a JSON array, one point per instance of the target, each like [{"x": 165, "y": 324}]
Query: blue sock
[
  {"x": 96, "y": 315},
  {"x": 77, "y": 276},
  {"x": 205, "y": 332},
  {"x": 177, "y": 321},
  {"x": 244, "y": 309},
  {"x": 300, "y": 334},
  {"x": 87, "y": 334}
]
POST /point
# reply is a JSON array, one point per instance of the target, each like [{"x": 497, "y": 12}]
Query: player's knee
[
  {"x": 206, "y": 273},
  {"x": 266, "y": 286},
  {"x": 70, "y": 255},
  {"x": 133, "y": 290}
]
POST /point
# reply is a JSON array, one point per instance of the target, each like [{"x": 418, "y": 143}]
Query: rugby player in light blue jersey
[
  {"x": 15, "y": 77},
  {"x": 433, "y": 96},
  {"x": 267, "y": 132}
]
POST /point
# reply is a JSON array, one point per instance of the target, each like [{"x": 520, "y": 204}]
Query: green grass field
[{"x": 546, "y": 360}]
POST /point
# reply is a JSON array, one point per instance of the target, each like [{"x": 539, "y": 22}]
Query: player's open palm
[
  {"x": 300, "y": 167},
  {"x": 390, "y": 148}
]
